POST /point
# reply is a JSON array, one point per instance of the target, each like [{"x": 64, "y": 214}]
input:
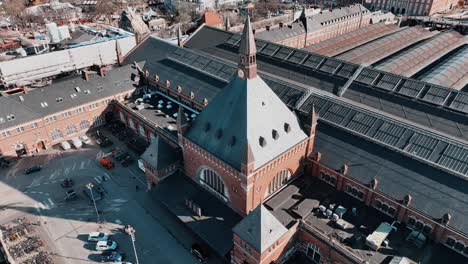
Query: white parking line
[
  {"x": 51, "y": 202},
  {"x": 82, "y": 165},
  {"x": 107, "y": 176},
  {"x": 67, "y": 171},
  {"x": 42, "y": 206},
  {"x": 97, "y": 180},
  {"x": 74, "y": 165}
]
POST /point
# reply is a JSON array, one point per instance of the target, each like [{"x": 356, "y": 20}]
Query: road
[{"x": 159, "y": 237}]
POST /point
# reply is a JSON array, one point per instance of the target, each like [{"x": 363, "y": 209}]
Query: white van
[
  {"x": 76, "y": 142},
  {"x": 65, "y": 145}
]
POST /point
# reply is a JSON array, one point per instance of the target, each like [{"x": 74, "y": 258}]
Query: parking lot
[{"x": 66, "y": 223}]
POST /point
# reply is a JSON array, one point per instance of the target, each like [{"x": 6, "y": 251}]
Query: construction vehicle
[{"x": 106, "y": 162}]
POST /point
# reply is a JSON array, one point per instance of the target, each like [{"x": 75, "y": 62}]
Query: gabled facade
[{"x": 245, "y": 144}]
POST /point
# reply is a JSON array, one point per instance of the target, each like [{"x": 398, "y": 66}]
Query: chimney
[
  {"x": 446, "y": 219},
  {"x": 318, "y": 157},
  {"x": 192, "y": 95},
  {"x": 407, "y": 199},
  {"x": 205, "y": 102},
  {"x": 168, "y": 83},
  {"x": 267, "y": 28},
  {"x": 179, "y": 89},
  {"x": 281, "y": 24},
  {"x": 344, "y": 169},
  {"x": 102, "y": 72},
  {"x": 85, "y": 75},
  {"x": 374, "y": 183}
]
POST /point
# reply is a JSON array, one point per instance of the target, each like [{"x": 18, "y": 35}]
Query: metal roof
[
  {"x": 414, "y": 59},
  {"x": 375, "y": 51},
  {"x": 451, "y": 71},
  {"x": 381, "y": 133},
  {"x": 353, "y": 39}
]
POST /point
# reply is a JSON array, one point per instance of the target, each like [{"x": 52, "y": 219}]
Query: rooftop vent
[
  {"x": 287, "y": 128},
  {"x": 207, "y": 127},
  {"x": 21, "y": 98},
  {"x": 77, "y": 89},
  {"x": 262, "y": 141},
  {"x": 219, "y": 133},
  {"x": 274, "y": 134},
  {"x": 44, "y": 104},
  {"x": 87, "y": 91},
  {"x": 73, "y": 95},
  {"x": 59, "y": 99},
  {"x": 10, "y": 117}
]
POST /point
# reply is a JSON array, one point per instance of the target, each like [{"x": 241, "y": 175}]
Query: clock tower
[{"x": 247, "y": 53}]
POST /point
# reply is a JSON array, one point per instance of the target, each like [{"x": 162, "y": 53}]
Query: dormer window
[
  {"x": 219, "y": 133},
  {"x": 207, "y": 127},
  {"x": 232, "y": 141},
  {"x": 274, "y": 134},
  {"x": 10, "y": 117},
  {"x": 262, "y": 141},
  {"x": 287, "y": 128}
]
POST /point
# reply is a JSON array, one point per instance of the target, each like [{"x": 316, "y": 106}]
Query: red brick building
[
  {"x": 37, "y": 119},
  {"x": 416, "y": 8}
]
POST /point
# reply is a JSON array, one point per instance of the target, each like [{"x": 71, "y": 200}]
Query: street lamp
[
  {"x": 90, "y": 187},
  {"x": 131, "y": 232}
]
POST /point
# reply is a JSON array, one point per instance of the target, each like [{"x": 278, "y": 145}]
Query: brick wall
[{"x": 37, "y": 134}]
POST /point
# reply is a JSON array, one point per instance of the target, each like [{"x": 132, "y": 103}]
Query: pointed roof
[
  {"x": 227, "y": 24},
  {"x": 246, "y": 112},
  {"x": 159, "y": 154},
  {"x": 179, "y": 36},
  {"x": 260, "y": 229},
  {"x": 247, "y": 44}
]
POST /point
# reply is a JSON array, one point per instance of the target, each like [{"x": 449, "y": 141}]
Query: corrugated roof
[
  {"x": 416, "y": 58},
  {"x": 379, "y": 49},
  {"x": 451, "y": 71},
  {"x": 345, "y": 42}
]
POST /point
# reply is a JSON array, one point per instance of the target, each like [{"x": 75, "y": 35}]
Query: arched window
[
  {"x": 84, "y": 124},
  {"x": 280, "y": 179},
  {"x": 70, "y": 129},
  {"x": 131, "y": 123},
  {"x": 56, "y": 134},
  {"x": 210, "y": 179}
]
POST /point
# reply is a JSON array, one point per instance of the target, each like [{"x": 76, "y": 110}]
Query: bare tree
[
  {"x": 107, "y": 8},
  {"x": 184, "y": 13},
  {"x": 15, "y": 9}
]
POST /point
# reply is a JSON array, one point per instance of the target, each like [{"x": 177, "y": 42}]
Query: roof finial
[
  {"x": 179, "y": 37},
  {"x": 247, "y": 52}
]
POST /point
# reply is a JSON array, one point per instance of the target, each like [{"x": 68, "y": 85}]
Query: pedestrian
[
  {"x": 103, "y": 178},
  {"x": 137, "y": 188}
]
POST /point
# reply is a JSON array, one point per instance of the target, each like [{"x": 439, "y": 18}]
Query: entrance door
[{"x": 40, "y": 145}]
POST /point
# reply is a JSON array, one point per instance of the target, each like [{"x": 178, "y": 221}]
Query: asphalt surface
[{"x": 160, "y": 238}]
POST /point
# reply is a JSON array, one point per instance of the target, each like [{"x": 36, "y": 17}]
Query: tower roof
[
  {"x": 246, "y": 113},
  {"x": 247, "y": 44},
  {"x": 260, "y": 229}
]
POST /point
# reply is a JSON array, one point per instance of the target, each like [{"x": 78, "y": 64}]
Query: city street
[{"x": 159, "y": 238}]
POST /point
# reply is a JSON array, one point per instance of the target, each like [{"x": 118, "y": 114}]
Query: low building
[
  {"x": 37, "y": 119},
  {"x": 413, "y": 7},
  {"x": 308, "y": 30}
]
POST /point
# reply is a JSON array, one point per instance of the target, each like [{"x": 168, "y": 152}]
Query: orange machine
[{"x": 106, "y": 162}]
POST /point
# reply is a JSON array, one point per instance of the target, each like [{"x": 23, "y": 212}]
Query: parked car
[
  {"x": 70, "y": 195},
  {"x": 199, "y": 253},
  {"x": 102, "y": 141},
  {"x": 85, "y": 139},
  {"x": 67, "y": 183},
  {"x": 127, "y": 161},
  {"x": 65, "y": 145},
  {"x": 32, "y": 169},
  {"x": 112, "y": 256},
  {"x": 98, "y": 236},
  {"x": 76, "y": 142},
  {"x": 107, "y": 245}
]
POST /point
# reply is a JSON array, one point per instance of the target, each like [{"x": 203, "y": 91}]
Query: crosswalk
[
  {"x": 45, "y": 205},
  {"x": 99, "y": 179}
]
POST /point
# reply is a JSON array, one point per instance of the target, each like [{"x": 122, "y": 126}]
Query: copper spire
[
  {"x": 247, "y": 44},
  {"x": 247, "y": 52}
]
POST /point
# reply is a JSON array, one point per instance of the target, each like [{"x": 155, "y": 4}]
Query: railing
[
  {"x": 157, "y": 128},
  {"x": 331, "y": 243}
]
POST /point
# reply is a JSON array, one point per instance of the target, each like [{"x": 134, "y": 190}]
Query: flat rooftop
[{"x": 300, "y": 201}]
